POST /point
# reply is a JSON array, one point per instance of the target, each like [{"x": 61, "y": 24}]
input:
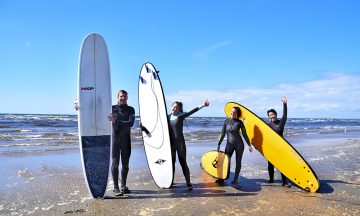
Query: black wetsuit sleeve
[
  {"x": 283, "y": 118},
  {"x": 243, "y": 131},
  {"x": 190, "y": 112},
  {"x": 223, "y": 131},
  {"x": 127, "y": 123}
]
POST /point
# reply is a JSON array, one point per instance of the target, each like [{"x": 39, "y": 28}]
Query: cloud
[
  {"x": 204, "y": 54},
  {"x": 336, "y": 95}
]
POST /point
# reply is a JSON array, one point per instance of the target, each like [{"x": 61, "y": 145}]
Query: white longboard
[
  {"x": 94, "y": 95},
  {"x": 154, "y": 119}
]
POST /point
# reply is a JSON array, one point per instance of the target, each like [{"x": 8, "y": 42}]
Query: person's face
[
  {"x": 175, "y": 108},
  {"x": 122, "y": 98},
  {"x": 272, "y": 116},
  {"x": 234, "y": 113}
]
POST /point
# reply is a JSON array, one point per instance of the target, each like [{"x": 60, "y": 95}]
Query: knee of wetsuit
[
  {"x": 115, "y": 162},
  {"x": 125, "y": 167},
  {"x": 182, "y": 161}
]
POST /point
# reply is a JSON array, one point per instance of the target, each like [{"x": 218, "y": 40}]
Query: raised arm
[
  {"x": 284, "y": 116},
  {"x": 187, "y": 114}
]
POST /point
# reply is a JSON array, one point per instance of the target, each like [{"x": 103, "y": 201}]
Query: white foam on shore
[
  {"x": 316, "y": 159},
  {"x": 65, "y": 203},
  {"x": 84, "y": 199},
  {"x": 340, "y": 154},
  {"x": 31, "y": 211},
  {"x": 320, "y": 158},
  {"x": 48, "y": 208},
  {"x": 11, "y": 185},
  {"x": 75, "y": 193}
]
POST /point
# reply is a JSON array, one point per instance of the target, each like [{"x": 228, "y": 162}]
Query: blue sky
[{"x": 252, "y": 52}]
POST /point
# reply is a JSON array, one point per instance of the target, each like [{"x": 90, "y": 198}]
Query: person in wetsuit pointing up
[
  {"x": 278, "y": 126},
  {"x": 176, "y": 119}
]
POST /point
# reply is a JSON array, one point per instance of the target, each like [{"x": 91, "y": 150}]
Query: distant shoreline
[{"x": 194, "y": 116}]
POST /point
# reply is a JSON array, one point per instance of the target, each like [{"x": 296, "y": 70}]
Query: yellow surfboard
[
  {"x": 216, "y": 164},
  {"x": 276, "y": 149}
]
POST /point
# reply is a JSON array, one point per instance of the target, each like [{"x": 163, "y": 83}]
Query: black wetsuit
[
  {"x": 178, "y": 141},
  {"x": 234, "y": 141},
  {"x": 278, "y": 127},
  {"x": 124, "y": 120}
]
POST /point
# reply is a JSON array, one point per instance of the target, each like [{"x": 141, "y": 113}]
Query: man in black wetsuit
[
  {"x": 122, "y": 118},
  {"x": 278, "y": 126}
]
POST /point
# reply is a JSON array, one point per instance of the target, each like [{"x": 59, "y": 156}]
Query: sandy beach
[{"x": 52, "y": 183}]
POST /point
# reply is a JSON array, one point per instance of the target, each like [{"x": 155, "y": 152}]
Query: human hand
[
  {"x": 111, "y": 118},
  {"x": 206, "y": 103},
  {"x": 76, "y": 104},
  {"x": 250, "y": 148},
  {"x": 284, "y": 99}
]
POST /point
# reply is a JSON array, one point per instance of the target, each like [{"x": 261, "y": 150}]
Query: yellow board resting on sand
[
  {"x": 216, "y": 164},
  {"x": 276, "y": 149}
]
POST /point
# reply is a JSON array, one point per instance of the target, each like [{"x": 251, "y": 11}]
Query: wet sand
[{"x": 53, "y": 184}]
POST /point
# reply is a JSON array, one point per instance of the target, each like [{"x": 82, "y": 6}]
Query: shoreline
[{"x": 53, "y": 184}]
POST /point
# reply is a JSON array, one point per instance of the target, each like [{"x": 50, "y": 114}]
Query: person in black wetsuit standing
[
  {"x": 278, "y": 126},
  {"x": 235, "y": 143},
  {"x": 122, "y": 118},
  {"x": 176, "y": 119}
]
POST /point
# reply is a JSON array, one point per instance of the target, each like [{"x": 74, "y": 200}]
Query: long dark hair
[
  {"x": 238, "y": 111},
  {"x": 180, "y": 105}
]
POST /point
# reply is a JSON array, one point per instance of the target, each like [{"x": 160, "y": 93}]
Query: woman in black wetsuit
[
  {"x": 176, "y": 119},
  {"x": 235, "y": 143}
]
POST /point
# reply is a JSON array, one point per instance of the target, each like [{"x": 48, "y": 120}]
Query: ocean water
[{"x": 28, "y": 133}]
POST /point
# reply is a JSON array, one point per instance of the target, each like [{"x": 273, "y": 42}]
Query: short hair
[
  {"x": 271, "y": 110},
  {"x": 122, "y": 91}
]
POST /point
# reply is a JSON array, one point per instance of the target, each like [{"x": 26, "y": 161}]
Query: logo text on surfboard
[
  {"x": 160, "y": 161},
  {"x": 87, "y": 88}
]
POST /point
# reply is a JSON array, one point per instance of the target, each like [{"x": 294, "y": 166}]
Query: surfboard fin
[
  {"x": 148, "y": 69},
  {"x": 155, "y": 76},
  {"x": 143, "y": 81}
]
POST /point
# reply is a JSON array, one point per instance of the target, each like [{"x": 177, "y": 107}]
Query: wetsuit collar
[{"x": 122, "y": 105}]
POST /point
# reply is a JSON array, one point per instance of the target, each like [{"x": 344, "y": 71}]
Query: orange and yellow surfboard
[
  {"x": 276, "y": 149},
  {"x": 216, "y": 164}
]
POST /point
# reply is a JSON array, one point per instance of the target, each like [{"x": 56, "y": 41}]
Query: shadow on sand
[
  {"x": 209, "y": 188},
  {"x": 180, "y": 191},
  {"x": 325, "y": 185}
]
